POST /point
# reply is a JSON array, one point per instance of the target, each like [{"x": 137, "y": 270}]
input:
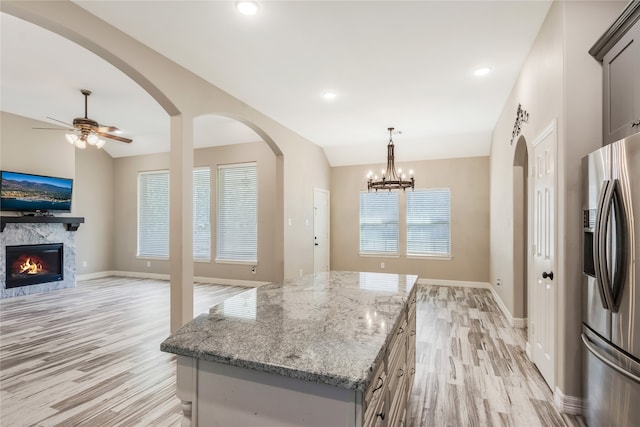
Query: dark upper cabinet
[{"x": 619, "y": 51}]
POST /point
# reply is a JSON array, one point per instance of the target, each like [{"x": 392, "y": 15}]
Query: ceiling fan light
[
  {"x": 92, "y": 139},
  {"x": 81, "y": 143},
  {"x": 100, "y": 143},
  {"x": 71, "y": 138}
]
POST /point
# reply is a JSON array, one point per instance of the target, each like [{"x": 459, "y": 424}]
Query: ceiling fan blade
[
  {"x": 60, "y": 121},
  {"x": 115, "y": 137},
  {"x": 107, "y": 129},
  {"x": 70, "y": 129}
]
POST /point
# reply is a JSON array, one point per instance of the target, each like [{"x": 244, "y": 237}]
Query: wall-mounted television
[{"x": 23, "y": 192}]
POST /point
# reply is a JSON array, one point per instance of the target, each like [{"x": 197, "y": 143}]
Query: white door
[
  {"x": 542, "y": 288},
  {"x": 320, "y": 230}
]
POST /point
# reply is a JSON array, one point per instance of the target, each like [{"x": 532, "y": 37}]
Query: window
[
  {"x": 237, "y": 223},
  {"x": 202, "y": 213},
  {"x": 379, "y": 223},
  {"x": 428, "y": 220},
  {"x": 153, "y": 214}
]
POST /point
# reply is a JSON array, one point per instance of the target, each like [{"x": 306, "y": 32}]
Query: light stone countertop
[{"x": 327, "y": 328}]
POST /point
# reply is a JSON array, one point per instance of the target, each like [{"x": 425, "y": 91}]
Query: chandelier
[{"x": 391, "y": 179}]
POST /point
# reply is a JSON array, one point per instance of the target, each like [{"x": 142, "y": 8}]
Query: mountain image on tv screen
[{"x": 32, "y": 193}]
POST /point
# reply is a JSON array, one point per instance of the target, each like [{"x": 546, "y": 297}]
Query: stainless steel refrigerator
[{"x": 611, "y": 294}]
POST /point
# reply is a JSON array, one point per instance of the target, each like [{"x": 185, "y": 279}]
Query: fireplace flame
[{"x": 30, "y": 267}]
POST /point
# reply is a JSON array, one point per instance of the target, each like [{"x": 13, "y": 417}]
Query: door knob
[{"x": 549, "y": 275}]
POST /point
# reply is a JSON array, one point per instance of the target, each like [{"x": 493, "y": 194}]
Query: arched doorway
[
  {"x": 158, "y": 78},
  {"x": 520, "y": 231}
]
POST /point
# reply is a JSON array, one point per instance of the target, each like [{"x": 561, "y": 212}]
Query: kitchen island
[{"x": 335, "y": 348}]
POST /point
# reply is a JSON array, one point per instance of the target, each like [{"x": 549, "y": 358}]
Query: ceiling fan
[{"x": 88, "y": 131}]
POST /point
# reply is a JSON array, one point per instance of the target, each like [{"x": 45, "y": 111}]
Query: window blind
[
  {"x": 428, "y": 222},
  {"x": 379, "y": 222},
  {"x": 153, "y": 214},
  {"x": 237, "y": 222},
  {"x": 202, "y": 213}
]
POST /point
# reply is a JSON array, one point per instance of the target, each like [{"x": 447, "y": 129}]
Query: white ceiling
[{"x": 407, "y": 64}]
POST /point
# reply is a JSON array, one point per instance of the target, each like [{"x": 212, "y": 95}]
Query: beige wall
[
  {"x": 93, "y": 199},
  {"x": 44, "y": 152},
  {"x": 468, "y": 180},
  {"x": 126, "y": 173},
  {"x": 559, "y": 81},
  {"x": 24, "y": 149}
]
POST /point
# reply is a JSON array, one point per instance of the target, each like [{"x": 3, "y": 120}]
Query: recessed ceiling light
[
  {"x": 329, "y": 95},
  {"x": 247, "y": 7},
  {"x": 482, "y": 71}
]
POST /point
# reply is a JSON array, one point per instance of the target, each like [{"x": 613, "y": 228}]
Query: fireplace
[{"x": 33, "y": 264}]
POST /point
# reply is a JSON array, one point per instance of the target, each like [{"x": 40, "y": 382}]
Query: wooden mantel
[{"x": 71, "y": 222}]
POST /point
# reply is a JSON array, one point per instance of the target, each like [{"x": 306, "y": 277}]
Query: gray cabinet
[
  {"x": 619, "y": 51},
  {"x": 621, "y": 70}
]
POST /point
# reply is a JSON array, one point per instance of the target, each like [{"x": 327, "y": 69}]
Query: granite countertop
[{"x": 328, "y": 327}]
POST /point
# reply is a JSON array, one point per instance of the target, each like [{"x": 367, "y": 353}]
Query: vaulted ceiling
[{"x": 407, "y": 64}]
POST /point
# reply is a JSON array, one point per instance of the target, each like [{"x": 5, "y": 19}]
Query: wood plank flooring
[
  {"x": 90, "y": 356},
  {"x": 471, "y": 366}
]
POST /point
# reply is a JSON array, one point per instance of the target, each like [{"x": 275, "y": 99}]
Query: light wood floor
[
  {"x": 471, "y": 366},
  {"x": 90, "y": 356}
]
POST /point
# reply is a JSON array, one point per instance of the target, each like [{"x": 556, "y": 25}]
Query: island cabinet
[
  {"x": 619, "y": 51},
  {"x": 330, "y": 349}
]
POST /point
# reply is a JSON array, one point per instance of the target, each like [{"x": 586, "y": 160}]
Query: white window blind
[
  {"x": 202, "y": 213},
  {"x": 379, "y": 222},
  {"x": 428, "y": 222},
  {"x": 153, "y": 214},
  {"x": 237, "y": 222}
]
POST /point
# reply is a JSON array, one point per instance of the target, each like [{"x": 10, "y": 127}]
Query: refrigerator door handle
[
  {"x": 600, "y": 245},
  {"x": 609, "y": 363},
  {"x": 622, "y": 236}
]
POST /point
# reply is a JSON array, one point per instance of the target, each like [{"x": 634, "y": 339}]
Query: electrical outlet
[
  {"x": 148, "y": 264},
  {"x": 382, "y": 265},
  {"x": 253, "y": 270},
  {"x": 300, "y": 272},
  {"x": 84, "y": 263},
  {"x": 498, "y": 282}
]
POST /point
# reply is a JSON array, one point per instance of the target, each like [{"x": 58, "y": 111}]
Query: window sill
[
  {"x": 380, "y": 255},
  {"x": 235, "y": 262},
  {"x": 156, "y": 258},
  {"x": 431, "y": 257}
]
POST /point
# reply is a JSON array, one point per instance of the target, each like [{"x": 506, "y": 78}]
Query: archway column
[{"x": 181, "y": 221}]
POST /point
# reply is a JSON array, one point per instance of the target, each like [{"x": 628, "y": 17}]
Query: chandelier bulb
[
  {"x": 92, "y": 139},
  {"x": 71, "y": 138}
]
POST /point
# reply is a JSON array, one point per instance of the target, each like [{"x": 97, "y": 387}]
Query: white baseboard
[
  {"x": 515, "y": 322},
  {"x": 97, "y": 275},
  {"x": 567, "y": 404},
  {"x": 458, "y": 283},
  {"x": 141, "y": 275},
  {"x": 159, "y": 276},
  {"x": 229, "y": 282}
]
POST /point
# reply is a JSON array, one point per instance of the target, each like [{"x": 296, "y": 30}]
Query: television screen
[{"x": 34, "y": 193}]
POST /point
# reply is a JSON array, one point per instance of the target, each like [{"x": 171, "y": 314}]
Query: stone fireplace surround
[{"x": 33, "y": 234}]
